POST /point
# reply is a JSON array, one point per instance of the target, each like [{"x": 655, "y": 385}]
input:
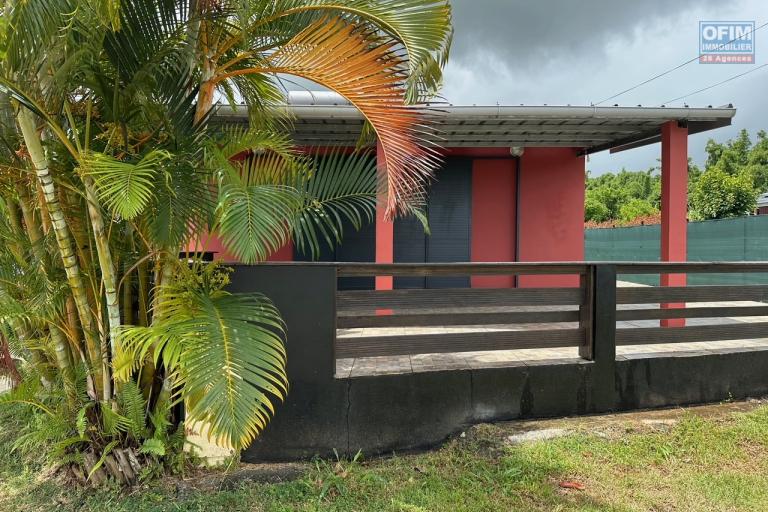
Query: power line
[
  {"x": 734, "y": 77},
  {"x": 676, "y": 67}
]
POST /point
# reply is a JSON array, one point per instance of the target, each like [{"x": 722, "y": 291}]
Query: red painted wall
[
  {"x": 493, "y": 217},
  {"x": 285, "y": 253},
  {"x": 551, "y": 222},
  {"x": 212, "y": 243}
]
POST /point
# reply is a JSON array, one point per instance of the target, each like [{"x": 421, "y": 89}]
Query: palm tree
[{"x": 110, "y": 163}]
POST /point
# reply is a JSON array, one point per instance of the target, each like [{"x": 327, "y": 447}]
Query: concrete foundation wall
[{"x": 397, "y": 412}]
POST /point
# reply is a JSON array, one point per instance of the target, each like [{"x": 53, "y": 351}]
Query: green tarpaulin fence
[{"x": 740, "y": 239}]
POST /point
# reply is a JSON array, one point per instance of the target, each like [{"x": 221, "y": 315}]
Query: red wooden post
[
  {"x": 674, "y": 205},
  {"x": 384, "y": 229}
]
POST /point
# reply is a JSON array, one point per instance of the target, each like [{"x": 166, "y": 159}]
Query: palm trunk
[
  {"x": 64, "y": 362},
  {"x": 32, "y": 140},
  {"x": 208, "y": 69},
  {"x": 64, "y": 357},
  {"x": 106, "y": 263},
  {"x": 149, "y": 372}
]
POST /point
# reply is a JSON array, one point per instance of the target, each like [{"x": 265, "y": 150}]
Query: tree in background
[
  {"x": 735, "y": 173},
  {"x": 718, "y": 195},
  {"x": 622, "y": 197},
  {"x": 635, "y": 208}
]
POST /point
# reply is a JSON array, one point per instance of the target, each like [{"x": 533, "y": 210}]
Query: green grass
[{"x": 699, "y": 464}]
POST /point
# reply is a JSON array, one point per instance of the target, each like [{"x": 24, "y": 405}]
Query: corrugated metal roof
[{"x": 589, "y": 128}]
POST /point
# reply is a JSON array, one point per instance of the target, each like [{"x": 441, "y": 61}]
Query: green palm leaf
[
  {"x": 225, "y": 351},
  {"x": 342, "y": 191},
  {"x": 254, "y": 220},
  {"x": 126, "y": 189},
  {"x": 234, "y": 366}
]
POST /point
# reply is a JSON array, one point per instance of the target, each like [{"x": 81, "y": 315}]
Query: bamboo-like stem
[
  {"x": 207, "y": 69},
  {"x": 35, "y": 236},
  {"x": 45, "y": 217},
  {"x": 73, "y": 326},
  {"x": 106, "y": 263},
  {"x": 28, "y": 127},
  {"x": 64, "y": 362},
  {"x": 163, "y": 277}
]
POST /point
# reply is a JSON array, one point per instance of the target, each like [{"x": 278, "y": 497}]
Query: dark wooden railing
[{"x": 583, "y": 316}]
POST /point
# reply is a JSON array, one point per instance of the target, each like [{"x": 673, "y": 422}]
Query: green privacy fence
[{"x": 740, "y": 239}]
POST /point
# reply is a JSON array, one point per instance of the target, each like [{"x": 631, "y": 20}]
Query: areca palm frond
[
  {"x": 182, "y": 205},
  {"x": 256, "y": 156},
  {"x": 30, "y": 26},
  {"x": 123, "y": 187},
  {"x": 337, "y": 54},
  {"x": 254, "y": 219},
  {"x": 225, "y": 350},
  {"x": 341, "y": 191},
  {"x": 423, "y": 27}
]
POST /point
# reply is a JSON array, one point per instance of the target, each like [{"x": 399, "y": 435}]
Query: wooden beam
[{"x": 372, "y": 346}]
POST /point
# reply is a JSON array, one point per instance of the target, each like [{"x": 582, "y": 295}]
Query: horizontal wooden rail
[
  {"x": 419, "y": 299},
  {"x": 560, "y": 267},
  {"x": 347, "y": 269},
  {"x": 372, "y": 346},
  {"x": 658, "y": 294},
  {"x": 723, "y": 332},
  {"x": 586, "y": 315},
  {"x": 457, "y": 269},
  {"x": 694, "y": 267},
  {"x": 350, "y": 319},
  {"x": 700, "y": 312}
]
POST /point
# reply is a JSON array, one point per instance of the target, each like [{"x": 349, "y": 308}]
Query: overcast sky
[{"x": 568, "y": 52}]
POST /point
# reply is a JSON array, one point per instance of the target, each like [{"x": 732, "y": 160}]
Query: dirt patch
[
  {"x": 492, "y": 436},
  {"x": 213, "y": 480}
]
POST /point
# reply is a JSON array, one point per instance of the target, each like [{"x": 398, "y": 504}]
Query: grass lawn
[{"x": 693, "y": 462}]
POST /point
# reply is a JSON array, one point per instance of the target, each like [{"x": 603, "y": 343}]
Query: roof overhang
[{"x": 588, "y": 128}]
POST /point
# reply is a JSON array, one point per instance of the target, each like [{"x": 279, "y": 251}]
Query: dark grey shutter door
[
  {"x": 357, "y": 246},
  {"x": 449, "y": 213},
  {"x": 410, "y": 246}
]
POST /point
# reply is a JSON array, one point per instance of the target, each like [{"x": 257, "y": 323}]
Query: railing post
[
  {"x": 598, "y": 318},
  {"x": 586, "y": 313},
  {"x": 604, "y": 314}
]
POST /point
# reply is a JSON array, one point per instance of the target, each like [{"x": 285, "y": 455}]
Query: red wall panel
[
  {"x": 551, "y": 223},
  {"x": 212, "y": 243},
  {"x": 493, "y": 217}
]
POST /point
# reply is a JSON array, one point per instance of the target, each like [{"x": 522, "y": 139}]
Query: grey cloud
[{"x": 523, "y": 33}]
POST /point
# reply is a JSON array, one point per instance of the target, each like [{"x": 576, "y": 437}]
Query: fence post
[
  {"x": 604, "y": 317},
  {"x": 600, "y": 339},
  {"x": 586, "y": 313}
]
